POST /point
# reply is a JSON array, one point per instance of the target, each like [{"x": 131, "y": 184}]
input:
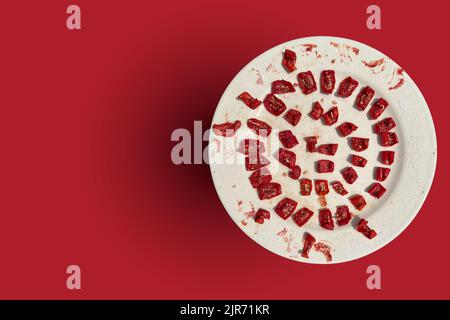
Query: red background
[{"x": 86, "y": 176}]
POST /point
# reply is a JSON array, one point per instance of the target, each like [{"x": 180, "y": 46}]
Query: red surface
[{"x": 86, "y": 176}]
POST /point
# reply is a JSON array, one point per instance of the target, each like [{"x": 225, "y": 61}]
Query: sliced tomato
[
  {"x": 343, "y": 215},
  {"x": 346, "y": 128},
  {"x": 339, "y": 188},
  {"x": 346, "y": 87},
  {"x": 326, "y": 219},
  {"x": 358, "y": 161},
  {"x": 387, "y": 157},
  {"x": 378, "y": 108},
  {"x": 287, "y": 158},
  {"x": 259, "y": 127},
  {"x": 260, "y": 177},
  {"x": 388, "y": 139},
  {"x": 331, "y": 116},
  {"x": 308, "y": 243},
  {"x": 358, "y": 202},
  {"x": 302, "y": 216},
  {"x": 384, "y": 125},
  {"x": 282, "y": 86},
  {"x": 376, "y": 190},
  {"x": 321, "y": 187},
  {"x": 305, "y": 187},
  {"x": 269, "y": 190},
  {"x": 325, "y": 166},
  {"x": 227, "y": 129},
  {"x": 251, "y": 102},
  {"x": 274, "y": 105},
  {"x": 316, "y": 111},
  {"x": 287, "y": 139},
  {"x": 285, "y": 208},
  {"x": 381, "y": 174},
  {"x": 364, "y": 97},
  {"x": 289, "y": 60},
  {"x": 327, "y": 81},
  {"x": 306, "y": 82},
  {"x": 311, "y": 143},
  {"x": 328, "y": 149},
  {"x": 293, "y": 116},
  {"x": 349, "y": 174},
  {"x": 295, "y": 172},
  {"x": 364, "y": 228},
  {"x": 360, "y": 144}
]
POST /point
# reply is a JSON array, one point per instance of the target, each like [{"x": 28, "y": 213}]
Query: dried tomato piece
[
  {"x": 287, "y": 139},
  {"x": 349, "y": 174},
  {"x": 253, "y": 163},
  {"x": 251, "y": 102},
  {"x": 364, "y": 97},
  {"x": 274, "y": 105},
  {"x": 251, "y": 146},
  {"x": 321, "y": 187},
  {"x": 259, "y": 127},
  {"x": 343, "y": 216},
  {"x": 293, "y": 116},
  {"x": 346, "y": 128},
  {"x": 387, "y": 157},
  {"x": 227, "y": 129},
  {"x": 302, "y": 216},
  {"x": 346, "y": 87},
  {"x": 326, "y": 219},
  {"x": 378, "y": 108},
  {"x": 306, "y": 82},
  {"x": 282, "y": 86},
  {"x": 260, "y": 177},
  {"x": 328, "y": 149},
  {"x": 309, "y": 241},
  {"x": 339, "y": 188},
  {"x": 311, "y": 144},
  {"x": 376, "y": 190},
  {"x": 331, "y": 116},
  {"x": 384, "y": 125},
  {"x": 358, "y": 201},
  {"x": 289, "y": 60},
  {"x": 363, "y": 228},
  {"x": 305, "y": 187},
  {"x": 285, "y": 208},
  {"x": 262, "y": 215},
  {"x": 316, "y": 111},
  {"x": 360, "y": 144},
  {"x": 325, "y": 166},
  {"x": 287, "y": 158},
  {"x": 381, "y": 173},
  {"x": 358, "y": 161},
  {"x": 295, "y": 172},
  {"x": 327, "y": 81},
  {"x": 388, "y": 139},
  {"x": 269, "y": 190}
]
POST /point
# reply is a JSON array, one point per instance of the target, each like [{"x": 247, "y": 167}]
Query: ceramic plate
[{"x": 407, "y": 184}]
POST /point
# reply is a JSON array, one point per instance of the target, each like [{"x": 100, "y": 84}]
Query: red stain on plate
[
  {"x": 282, "y": 233},
  {"x": 398, "y": 75},
  {"x": 309, "y": 46},
  {"x": 259, "y": 79},
  {"x": 398, "y": 84},
  {"x": 323, "y": 201},
  {"x": 324, "y": 249},
  {"x": 247, "y": 216},
  {"x": 374, "y": 63}
]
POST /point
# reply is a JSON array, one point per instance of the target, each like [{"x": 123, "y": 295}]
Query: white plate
[{"x": 412, "y": 172}]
